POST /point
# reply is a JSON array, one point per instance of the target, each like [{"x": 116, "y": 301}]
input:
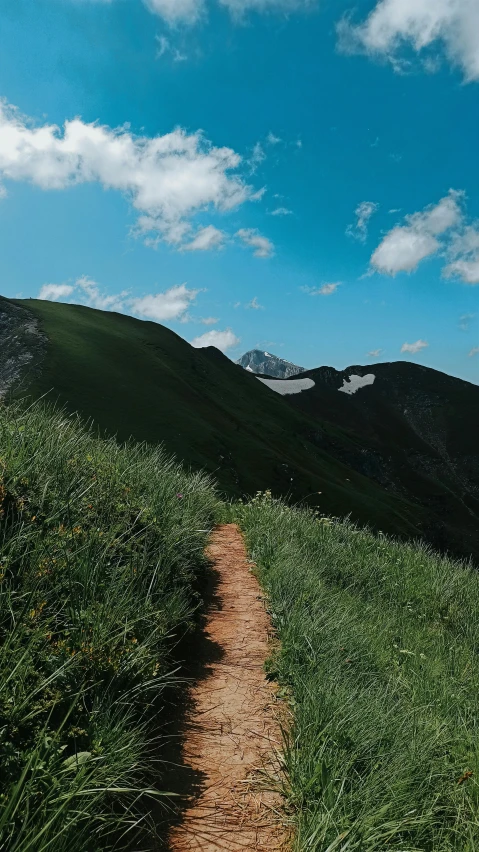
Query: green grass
[
  {"x": 379, "y": 657},
  {"x": 101, "y": 556},
  {"x": 139, "y": 379}
]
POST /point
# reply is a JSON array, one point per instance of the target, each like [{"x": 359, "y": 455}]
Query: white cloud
[
  {"x": 167, "y": 178},
  {"x": 239, "y": 7},
  {"x": 281, "y": 211},
  {"x": 206, "y": 239},
  {"x": 403, "y": 248},
  {"x": 474, "y": 351},
  {"x": 464, "y": 250},
  {"x": 272, "y": 139},
  {"x": 165, "y": 47},
  {"x": 420, "y": 23},
  {"x": 209, "y": 320},
  {"x": 375, "y": 353},
  {"x": 252, "y": 238},
  {"x": 467, "y": 270},
  {"x": 363, "y": 213},
  {"x": 54, "y": 292},
  {"x": 255, "y": 305},
  {"x": 324, "y": 290},
  {"x": 221, "y": 339},
  {"x": 170, "y": 305},
  {"x": 176, "y": 11},
  {"x": 257, "y": 157},
  {"x": 414, "y": 348}
]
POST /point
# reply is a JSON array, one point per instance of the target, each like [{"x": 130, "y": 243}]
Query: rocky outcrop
[
  {"x": 263, "y": 363},
  {"x": 22, "y": 346}
]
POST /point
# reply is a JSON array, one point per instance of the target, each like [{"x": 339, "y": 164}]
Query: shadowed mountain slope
[
  {"x": 139, "y": 379},
  {"x": 415, "y": 431}
]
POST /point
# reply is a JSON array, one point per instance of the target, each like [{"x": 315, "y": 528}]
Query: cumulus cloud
[
  {"x": 414, "y": 348},
  {"x": 170, "y": 305},
  {"x": 160, "y": 307},
  {"x": 466, "y": 270},
  {"x": 55, "y": 292},
  {"x": 392, "y": 24},
  {"x": 474, "y": 351},
  {"x": 168, "y": 179},
  {"x": 375, "y": 353},
  {"x": 363, "y": 213},
  {"x": 252, "y": 238},
  {"x": 221, "y": 339},
  {"x": 403, "y": 248},
  {"x": 324, "y": 290},
  {"x": 464, "y": 251},
  {"x": 206, "y": 239}
]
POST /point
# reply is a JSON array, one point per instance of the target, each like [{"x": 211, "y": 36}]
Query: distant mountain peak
[{"x": 264, "y": 363}]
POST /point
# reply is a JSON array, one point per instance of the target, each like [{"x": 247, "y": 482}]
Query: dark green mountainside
[{"x": 139, "y": 379}]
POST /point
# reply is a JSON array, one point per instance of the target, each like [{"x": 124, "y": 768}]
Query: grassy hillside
[
  {"x": 139, "y": 379},
  {"x": 380, "y": 659},
  {"x": 101, "y": 552}
]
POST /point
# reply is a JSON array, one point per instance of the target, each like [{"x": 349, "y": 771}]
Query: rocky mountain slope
[
  {"x": 398, "y": 451},
  {"x": 265, "y": 364}
]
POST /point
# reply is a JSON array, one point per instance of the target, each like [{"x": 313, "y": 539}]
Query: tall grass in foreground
[
  {"x": 380, "y": 656},
  {"x": 100, "y": 550}
]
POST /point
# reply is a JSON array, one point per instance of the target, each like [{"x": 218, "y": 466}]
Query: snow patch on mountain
[
  {"x": 287, "y": 386},
  {"x": 354, "y": 383}
]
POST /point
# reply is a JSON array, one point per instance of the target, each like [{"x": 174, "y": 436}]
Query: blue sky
[{"x": 288, "y": 174}]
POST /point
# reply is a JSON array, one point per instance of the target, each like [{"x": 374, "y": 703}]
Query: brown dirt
[{"x": 232, "y": 734}]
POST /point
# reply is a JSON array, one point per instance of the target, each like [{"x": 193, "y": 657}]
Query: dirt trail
[{"x": 232, "y": 731}]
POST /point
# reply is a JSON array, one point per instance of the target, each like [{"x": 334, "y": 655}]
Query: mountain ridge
[{"x": 140, "y": 379}]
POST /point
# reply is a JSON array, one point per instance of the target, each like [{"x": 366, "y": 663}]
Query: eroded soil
[{"x": 233, "y": 735}]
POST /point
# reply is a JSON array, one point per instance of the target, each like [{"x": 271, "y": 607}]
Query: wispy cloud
[
  {"x": 281, "y": 211},
  {"x": 474, "y": 351},
  {"x": 363, "y": 213},
  {"x": 375, "y": 353},
  {"x": 208, "y": 320},
  {"x": 223, "y": 340},
  {"x": 465, "y": 321},
  {"x": 254, "y": 305},
  {"x": 257, "y": 157},
  {"x": 251, "y": 237},
  {"x": 393, "y": 24},
  {"x": 166, "y": 48},
  {"x": 414, "y": 348},
  {"x": 272, "y": 139},
  {"x": 324, "y": 290}
]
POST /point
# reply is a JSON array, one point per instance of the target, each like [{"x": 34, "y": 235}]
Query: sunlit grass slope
[
  {"x": 101, "y": 556},
  {"x": 380, "y": 658}
]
